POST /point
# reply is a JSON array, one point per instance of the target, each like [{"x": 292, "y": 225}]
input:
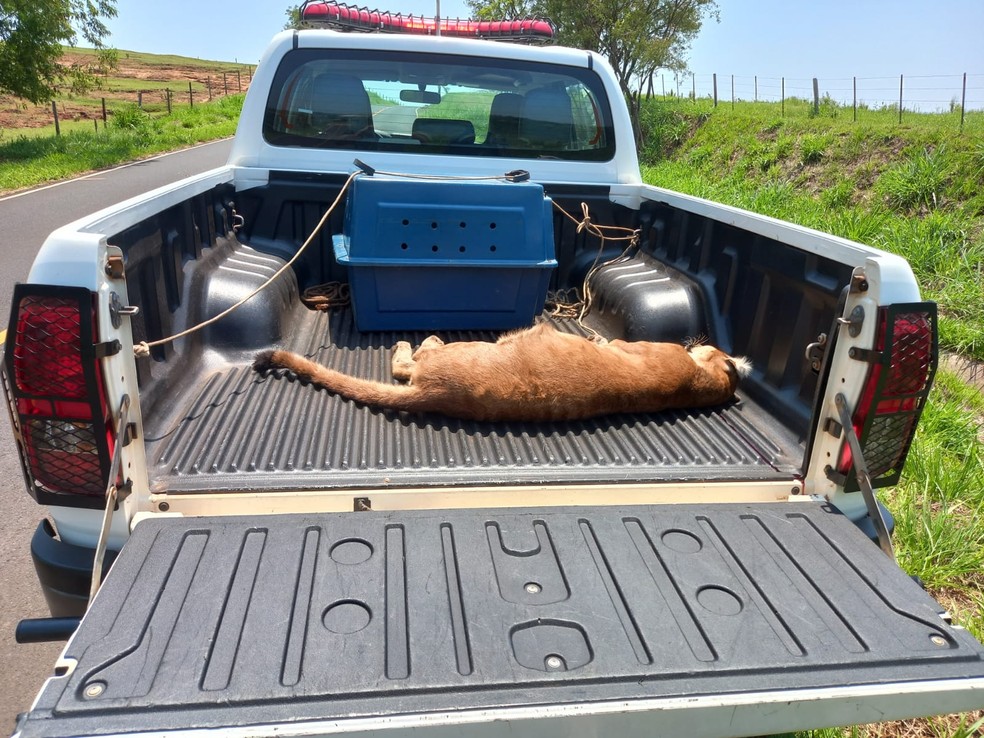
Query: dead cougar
[{"x": 534, "y": 374}]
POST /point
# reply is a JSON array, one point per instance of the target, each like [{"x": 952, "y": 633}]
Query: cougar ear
[{"x": 741, "y": 364}]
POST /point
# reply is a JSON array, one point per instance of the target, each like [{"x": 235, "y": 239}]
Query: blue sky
[{"x": 930, "y": 43}]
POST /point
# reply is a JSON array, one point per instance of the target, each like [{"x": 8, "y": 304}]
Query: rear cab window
[{"x": 425, "y": 103}]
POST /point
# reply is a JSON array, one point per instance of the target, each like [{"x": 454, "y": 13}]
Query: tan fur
[{"x": 533, "y": 375}]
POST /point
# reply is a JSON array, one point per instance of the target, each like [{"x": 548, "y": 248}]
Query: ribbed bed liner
[{"x": 246, "y": 431}]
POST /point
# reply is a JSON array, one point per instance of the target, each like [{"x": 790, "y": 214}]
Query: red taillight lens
[
  {"x": 895, "y": 392},
  {"x": 47, "y": 346},
  {"x": 56, "y": 393}
]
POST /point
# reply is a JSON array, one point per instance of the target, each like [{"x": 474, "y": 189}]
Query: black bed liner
[
  {"x": 277, "y": 619},
  {"x": 243, "y": 431}
]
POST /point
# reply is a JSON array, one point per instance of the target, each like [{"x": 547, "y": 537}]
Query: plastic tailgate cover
[{"x": 265, "y": 620}]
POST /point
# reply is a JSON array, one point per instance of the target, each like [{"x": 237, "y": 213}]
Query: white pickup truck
[{"x": 286, "y": 562}]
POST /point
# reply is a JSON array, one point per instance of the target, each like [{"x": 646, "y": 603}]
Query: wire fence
[
  {"x": 152, "y": 100},
  {"x": 940, "y": 93}
]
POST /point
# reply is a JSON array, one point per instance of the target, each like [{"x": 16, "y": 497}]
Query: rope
[
  {"x": 507, "y": 177},
  {"x": 143, "y": 348},
  {"x": 579, "y": 310},
  {"x": 561, "y": 303},
  {"x": 326, "y": 296}
]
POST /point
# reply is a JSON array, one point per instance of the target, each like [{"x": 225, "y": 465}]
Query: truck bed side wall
[
  {"x": 163, "y": 254},
  {"x": 764, "y": 300}
]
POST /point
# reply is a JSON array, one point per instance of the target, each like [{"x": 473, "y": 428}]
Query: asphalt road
[{"x": 25, "y": 221}]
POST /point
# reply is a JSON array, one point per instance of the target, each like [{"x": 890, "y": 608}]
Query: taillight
[
  {"x": 903, "y": 365},
  {"x": 56, "y": 395}
]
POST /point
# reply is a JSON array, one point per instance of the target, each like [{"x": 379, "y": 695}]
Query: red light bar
[{"x": 353, "y": 18}]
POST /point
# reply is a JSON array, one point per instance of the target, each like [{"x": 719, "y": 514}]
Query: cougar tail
[{"x": 368, "y": 392}]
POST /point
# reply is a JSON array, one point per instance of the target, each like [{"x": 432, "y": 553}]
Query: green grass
[
  {"x": 132, "y": 134},
  {"x": 160, "y": 60},
  {"x": 67, "y": 126},
  {"x": 916, "y": 190},
  {"x": 471, "y": 106},
  {"x": 939, "y": 505}
]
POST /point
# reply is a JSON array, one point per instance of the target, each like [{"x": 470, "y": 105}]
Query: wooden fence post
[
  {"x": 191, "y": 96},
  {"x": 104, "y": 111},
  {"x": 54, "y": 112},
  {"x": 167, "y": 96},
  {"x": 816, "y": 96},
  {"x": 140, "y": 98}
]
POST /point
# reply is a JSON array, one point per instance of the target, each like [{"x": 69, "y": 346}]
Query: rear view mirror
[{"x": 420, "y": 96}]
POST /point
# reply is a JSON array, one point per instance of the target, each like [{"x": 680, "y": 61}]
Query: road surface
[{"x": 26, "y": 219}]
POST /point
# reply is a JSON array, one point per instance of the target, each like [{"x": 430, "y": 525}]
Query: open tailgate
[{"x": 696, "y": 620}]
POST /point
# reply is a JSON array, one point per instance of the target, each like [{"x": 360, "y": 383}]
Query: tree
[
  {"x": 636, "y": 36},
  {"x": 31, "y": 36},
  {"x": 293, "y": 14}
]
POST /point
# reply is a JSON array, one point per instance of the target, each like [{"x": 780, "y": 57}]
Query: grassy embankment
[{"x": 916, "y": 190}]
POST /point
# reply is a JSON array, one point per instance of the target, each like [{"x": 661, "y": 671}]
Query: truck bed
[
  {"x": 616, "y": 619},
  {"x": 211, "y": 424},
  {"x": 239, "y": 430}
]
